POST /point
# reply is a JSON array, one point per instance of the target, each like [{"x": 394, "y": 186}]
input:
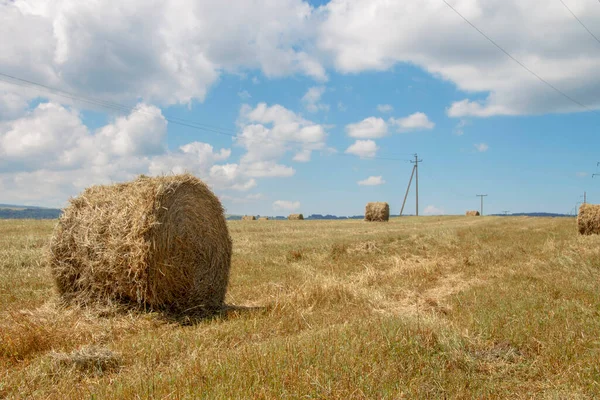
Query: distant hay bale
[
  {"x": 248, "y": 218},
  {"x": 588, "y": 219},
  {"x": 161, "y": 243},
  {"x": 473, "y": 213},
  {"x": 295, "y": 216},
  {"x": 377, "y": 212},
  {"x": 263, "y": 219}
]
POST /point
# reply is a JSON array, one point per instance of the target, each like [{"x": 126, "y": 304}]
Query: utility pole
[
  {"x": 415, "y": 173},
  {"x": 505, "y": 212},
  {"x": 416, "y": 162},
  {"x": 584, "y": 197},
  {"x": 482, "y": 196}
]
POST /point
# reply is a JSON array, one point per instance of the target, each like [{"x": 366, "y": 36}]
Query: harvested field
[{"x": 420, "y": 307}]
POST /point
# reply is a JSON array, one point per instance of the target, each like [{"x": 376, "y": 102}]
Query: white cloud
[
  {"x": 262, "y": 169},
  {"x": 372, "y": 181},
  {"x": 413, "y": 122},
  {"x": 433, "y": 210},
  {"x": 143, "y": 132},
  {"x": 164, "y": 52},
  {"x": 244, "y": 95},
  {"x": 481, "y": 147},
  {"x": 363, "y": 35},
  {"x": 385, "y": 108},
  {"x": 363, "y": 148},
  {"x": 267, "y": 133},
  {"x": 467, "y": 108},
  {"x": 312, "y": 99},
  {"x": 250, "y": 198},
  {"x": 368, "y": 128},
  {"x": 48, "y": 155},
  {"x": 459, "y": 130},
  {"x": 13, "y": 103},
  {"x": 286, "y": 205}
]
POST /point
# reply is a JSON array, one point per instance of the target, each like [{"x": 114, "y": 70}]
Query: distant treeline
[
  {"x": 535, "y": 214},
  {"x": 30, "y": 213}
]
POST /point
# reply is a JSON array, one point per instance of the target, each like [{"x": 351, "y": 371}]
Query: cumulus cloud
[
  {"x": 481, "y": 147},
  {"x": 363, "y": 148},
  {"x": 174, "y": 51},
  {"x": 312, "y": 99},
  {"x": 385, "y": 108},
  {"x": 286, "y": 205},
  {"x": 459, "y": 130},
  {"x": 416, "y": 121},
  {"x": 269, "y": 132},
  {"x": 164, "y": 52},
  {"x": 372, "y": 181},
  {"x": 367, "y": 35},
  {"x": 244, "y": 95},
  {"x": 48, "y": 155},
  {"x": 368, "y": 128},
  {"x": 433, "y": 210}
]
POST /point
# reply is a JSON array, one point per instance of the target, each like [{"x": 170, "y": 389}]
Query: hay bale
[
  {"x": 248, "y": 218},
  {"x": 473, "y": 213},
  {"x": 295, "y": 217},
  {"x": 89, "y": 359},
  {"x": 377, "y": 212},
  {"x": 161, "y": 243},
  {"x": 588, "y": 219},
  {"x": 263, "y": 219}
]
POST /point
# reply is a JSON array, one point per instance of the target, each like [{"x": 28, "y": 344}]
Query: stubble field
[{"x": 420, "y": 307}]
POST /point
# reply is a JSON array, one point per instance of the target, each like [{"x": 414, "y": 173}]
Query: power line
[
  {"x": 10, "y": 79},
  {"x": 519, "y": 62},
  {"x": 580, "y": 22}
]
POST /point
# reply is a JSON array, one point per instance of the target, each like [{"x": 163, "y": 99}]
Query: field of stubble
[{"x": 427, "y": 307}]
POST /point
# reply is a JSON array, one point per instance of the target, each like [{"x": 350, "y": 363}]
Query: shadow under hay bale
[
  {"x": 588, "y": 219},
  {"x": 377, "y": 212},
  {"x": 156, "y": 243},
  {"x": 472, "y": 213},
  {"x": 295, "y": 217},
  {"x": 248, "y": 218}
]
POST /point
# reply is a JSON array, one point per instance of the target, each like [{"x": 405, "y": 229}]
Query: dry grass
[
  {"x": 421, "y": 307},
  {"x": 155, "y": 242}
]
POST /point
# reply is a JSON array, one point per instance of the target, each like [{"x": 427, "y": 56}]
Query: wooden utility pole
[
  {"x": 415, "y": 173},
  {"x": 482, "y": 196},
  {"x": 407, "y": 189}
]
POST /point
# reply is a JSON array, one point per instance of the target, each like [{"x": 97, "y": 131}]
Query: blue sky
[{"x": 485, "y": 125}]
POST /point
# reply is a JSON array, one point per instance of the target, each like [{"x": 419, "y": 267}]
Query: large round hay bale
[
  {"x": 377, "y": 212},
  {"x": 263, "y": 218},
  {"x": 248, "y": 218},
  {"x": 160, "y": 243},
  {"x": 473, "y": 213},
  {"x": 295, "y": 216},
  {"x": 588, "y": 219}
]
